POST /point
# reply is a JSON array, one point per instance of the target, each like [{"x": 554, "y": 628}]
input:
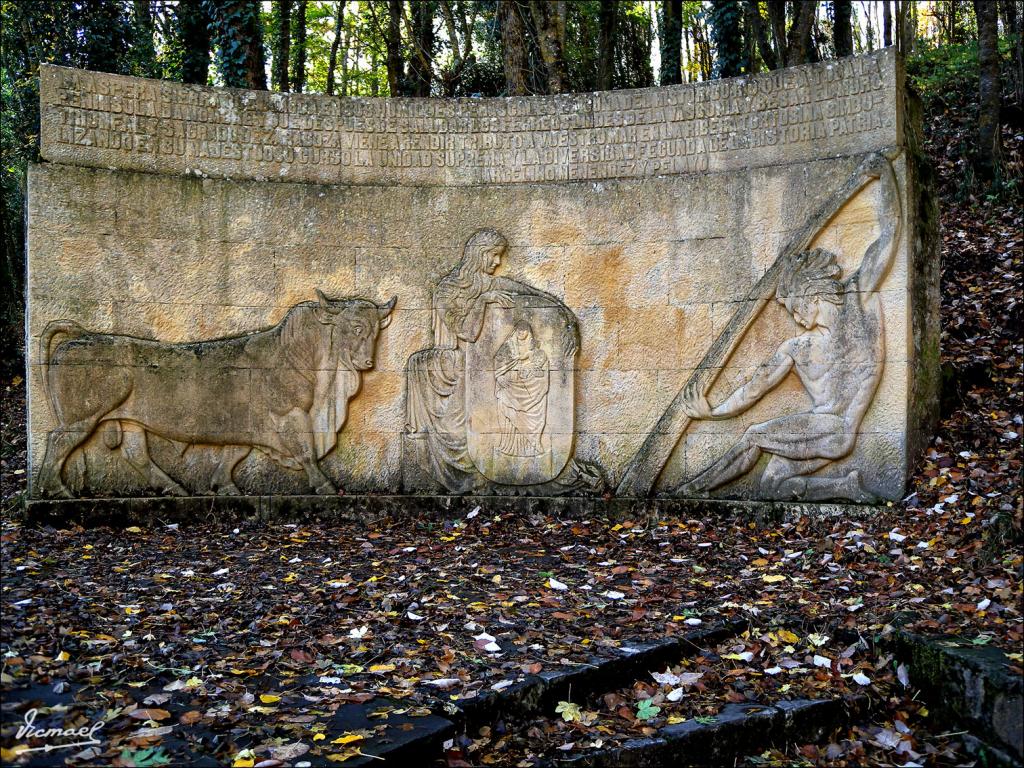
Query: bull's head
[{"x": 355, "y": 324}]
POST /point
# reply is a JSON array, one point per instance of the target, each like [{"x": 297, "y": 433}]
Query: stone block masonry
[{"x": 722, "y": 289}]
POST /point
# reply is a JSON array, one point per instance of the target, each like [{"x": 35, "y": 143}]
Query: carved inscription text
[{"x": 94, "y": 118}]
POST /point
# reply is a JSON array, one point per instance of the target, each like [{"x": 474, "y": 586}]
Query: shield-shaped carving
[{"x": 519, "y": 392}]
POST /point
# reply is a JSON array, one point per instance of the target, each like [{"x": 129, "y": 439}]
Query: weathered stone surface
[
  {"x": 653, "y": 227},
  {"x": 108, "y": 121},
  {"x": 968, "y": 687}
]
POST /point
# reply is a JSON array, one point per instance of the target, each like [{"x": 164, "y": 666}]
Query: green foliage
[
  {"x": 230, "y": 23},
  {"x": 646, "y": 710},
  {"x": 944, "y": 73},
  {"x": 724, "y": 20}
]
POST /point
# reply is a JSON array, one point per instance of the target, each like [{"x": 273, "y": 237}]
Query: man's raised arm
[{"x": 880, "y": 254}]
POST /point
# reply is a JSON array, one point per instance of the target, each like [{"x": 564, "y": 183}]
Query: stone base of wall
[{"x": 369, "y": 509}]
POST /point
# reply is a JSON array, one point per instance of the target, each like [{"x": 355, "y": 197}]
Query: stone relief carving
[
  {"x": 490, "y": 404},
  {"x": 838, "y": 360},
  {"x": 521, "y": 386},
  {"x": 283, "y": 391}
]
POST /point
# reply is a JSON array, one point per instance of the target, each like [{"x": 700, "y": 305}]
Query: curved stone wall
[{"x": 594, "y": 293}]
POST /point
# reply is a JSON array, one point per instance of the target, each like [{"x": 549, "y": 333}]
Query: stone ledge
[
  {"x": 968, "y": 687},
  {"x": 372, "y": 508},
  {"x": 737, "y": 730}
]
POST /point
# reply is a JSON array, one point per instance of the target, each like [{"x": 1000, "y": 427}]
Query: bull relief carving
[
  {"x": 283, "y": 391},
  {"x": 838, "y": 360},
  {"x": 489, "y": 407}
]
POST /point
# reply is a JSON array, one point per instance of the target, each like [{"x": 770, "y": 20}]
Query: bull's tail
[{"x": 56, "y": 329}]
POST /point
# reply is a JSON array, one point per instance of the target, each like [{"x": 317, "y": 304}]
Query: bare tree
[
  {"x": 989, "y": 133},
  {"x": 886, "y": 23}
]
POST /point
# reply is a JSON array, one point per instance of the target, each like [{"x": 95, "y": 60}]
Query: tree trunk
[
  {"x": 702, "y": 50},
  {"x": 886, "y": 23},
  {"x": 1012, "y": 24},
  {"x": 843, "y": 30},
  {"x": 671, "y": 41},
  {"x": 634, "y": 50},
  {"x": 777, "y": 18},
  {"x": 332, "y": 61},
  {"x": 450, "y": 76},
  {"x": 282, "y": 45},
  {"x": 989, "y": 138},
  {"x": 420, "y": 72},
  {"x": 549, "y": 20},
  {"x": 193, "y": 29},
  {"x": 724, "y": 23},
  {"x": 144, "y": 33},
  {"x": 798, "y": 41},
  {"x": 608, "y": 18},
  {"x": 393, "y": 42},
  {"x": 513, "y": 46},
  {"x": 239, "y": 37},
  {"x": 299, "y": 49},
  {"x": 761, "y": 35}
]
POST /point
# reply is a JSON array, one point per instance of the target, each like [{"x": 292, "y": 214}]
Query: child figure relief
[{"x": 521, "y": 383}]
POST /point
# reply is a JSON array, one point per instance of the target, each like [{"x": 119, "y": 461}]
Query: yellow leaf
[
  {"x": 760, "y": 562},
  {"x": 773, "y": 578},
  {"x": 131, "y": 611},
  {"x": 348, "y": 754},
  {"x": 676, "y": 719},
  {"x": 290, "y": 578},
  {"x": 318, "y": 737},
  {"x": 63, "y": 656},
  {"x": 382, "y": 668},
  {"x": 243, "y": 762},
  {"x": 787, "y": 637},
  {"x": 269, "y": 698},
  {"x": 134, "y": 529},
  {"x": 8, "y": 755},
  {"x": 347, "y": 738}
]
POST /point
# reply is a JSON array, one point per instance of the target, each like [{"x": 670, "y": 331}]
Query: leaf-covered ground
[{"x": 243, "y": 643}]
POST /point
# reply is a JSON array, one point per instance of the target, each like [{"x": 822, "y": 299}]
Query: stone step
[
  {"x": 361, "y": 509},
  {"x": 737, "y": 730},
  {"x": 540, "y": 693},
  {"x": 970, "y": 688}
]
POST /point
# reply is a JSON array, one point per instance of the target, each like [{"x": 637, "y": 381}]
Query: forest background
[{"x": 445, "y": 48}]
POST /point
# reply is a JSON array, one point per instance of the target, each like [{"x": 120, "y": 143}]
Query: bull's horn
[
  {"x": 385, "y": 309},
  {"x": 384, "y": 312}
]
